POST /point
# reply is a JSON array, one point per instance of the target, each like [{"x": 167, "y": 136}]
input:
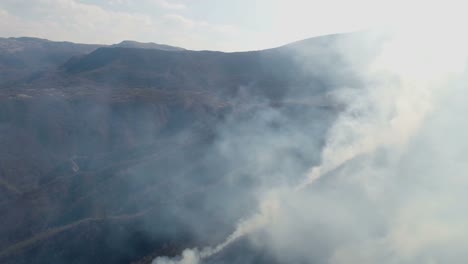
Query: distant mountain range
[
  {"x": 150, "y": 45},
  {"x": 38, "y": 63},
  {"x": 23, "y": 57},
  {"x": 96, "y": 140}
]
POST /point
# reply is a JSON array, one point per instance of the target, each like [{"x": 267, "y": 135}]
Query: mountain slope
[
  {"x": 109, "y": 151},
  {"x": 22, "y": 58}
]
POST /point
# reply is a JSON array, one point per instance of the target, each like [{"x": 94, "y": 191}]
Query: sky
[{"x": 226, "y": 25}]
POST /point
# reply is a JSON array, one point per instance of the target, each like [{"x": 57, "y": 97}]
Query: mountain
[
  {"x": 22, "y": 58},
  {"x": 268, "y": 72},
  {"x": 108, "y": 151},
  {"x": 26, "y": 58},
  {"x": 149, "y": 45}
]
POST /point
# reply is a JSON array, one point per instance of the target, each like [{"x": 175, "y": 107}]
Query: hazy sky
[{"x": 227, "y": 25}]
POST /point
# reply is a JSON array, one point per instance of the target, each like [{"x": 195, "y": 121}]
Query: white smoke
[
  {"x": 401, "y": 84},
  {"x": 417, "y": 73},
  {"x": 268, "y": 210},
  {"x": 189, "y": 256}
]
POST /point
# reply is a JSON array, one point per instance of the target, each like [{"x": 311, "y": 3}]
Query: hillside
[{"x": 106, "y": 151}]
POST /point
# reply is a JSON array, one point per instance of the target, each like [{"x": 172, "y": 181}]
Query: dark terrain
[{"x": 106, "y": 152}]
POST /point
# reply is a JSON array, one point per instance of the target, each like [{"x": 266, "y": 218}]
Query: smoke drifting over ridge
[{"x": 390, "y": 184}]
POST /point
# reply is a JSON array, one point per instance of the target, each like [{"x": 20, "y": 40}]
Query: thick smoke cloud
[{"x": 389, "y": 187}]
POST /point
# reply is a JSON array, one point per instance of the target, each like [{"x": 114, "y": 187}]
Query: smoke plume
[{"x": 389, "y": 187}]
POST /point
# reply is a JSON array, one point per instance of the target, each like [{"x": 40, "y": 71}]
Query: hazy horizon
[{"x": 207, "y": 24}]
